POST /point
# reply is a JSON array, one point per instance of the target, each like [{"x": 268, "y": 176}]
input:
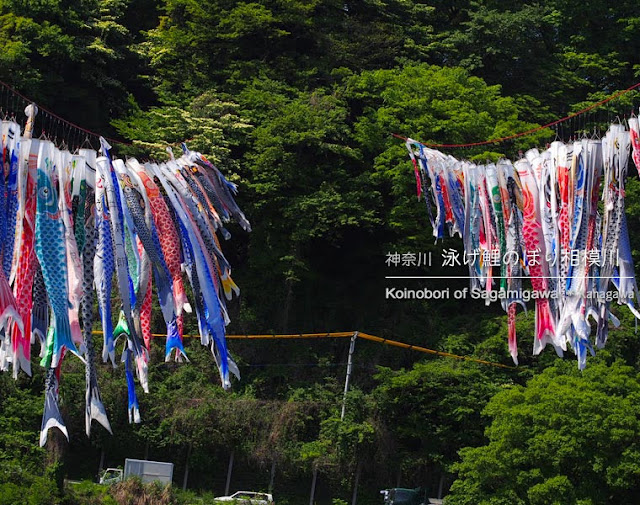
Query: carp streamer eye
[{"x": 45, "y": 194}]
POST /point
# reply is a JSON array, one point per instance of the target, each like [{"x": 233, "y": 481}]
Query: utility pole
[
  {"x": 349, "y": 369},
  {"x": 273, "y": 475},
  {"x": 313, "y": 484},
  {"x": 229, "y": 470}
]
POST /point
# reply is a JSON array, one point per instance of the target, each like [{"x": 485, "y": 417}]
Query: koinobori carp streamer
[
  {"x": 540, "y": 217},
  {"x": 73, "y": 227}
]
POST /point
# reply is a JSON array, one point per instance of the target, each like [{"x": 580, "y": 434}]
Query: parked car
[
  {"x": 246, "y": 498},
  {"x": 111, "y": 476},
  {"x": 403, "y": 496}
]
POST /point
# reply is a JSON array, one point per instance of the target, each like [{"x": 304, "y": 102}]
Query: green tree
[
  {"x": 545, "y": 49},
  {"x": 309, "y": 193},
  {"x": 75, "y": 57},
  {"x": 431, "y": 104},
  {"x": 433, "y": 410},
  {"x": 297, "y": 42},
  {"x": 209, "y": 123},
  {"x": 567, "y": 437}
]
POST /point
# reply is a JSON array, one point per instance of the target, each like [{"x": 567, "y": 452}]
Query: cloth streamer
[
  {"x": 72, "y": 223},
  {"x": 539, "y": 218}
]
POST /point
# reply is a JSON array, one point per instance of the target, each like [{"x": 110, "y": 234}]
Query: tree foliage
[
  {"x": 567, "y": 437},
  {"x": 297, "y": 100}
]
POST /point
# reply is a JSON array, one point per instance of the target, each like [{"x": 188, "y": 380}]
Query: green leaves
[
  {"x": 210, "y": 124},
  {"x": 434, "y": 409},
  {"x": 565, "y": 437}
]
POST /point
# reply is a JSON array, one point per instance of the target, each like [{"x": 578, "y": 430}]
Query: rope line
[
  {"x": 527, "y": 132},
  {"x": 59, "y": 118},
  {"x": 349, "y": 334}
]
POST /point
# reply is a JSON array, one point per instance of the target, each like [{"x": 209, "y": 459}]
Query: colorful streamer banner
[
  {"x": 72, "y": 223},
  {"x": 541, "y": 218}
]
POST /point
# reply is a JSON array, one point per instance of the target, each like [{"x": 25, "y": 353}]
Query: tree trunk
[
  {"x": 56, "y": 449},
  {"x": 273, "y": 475},
  {"x": 289, "y": 282},
  {"x": 440, "y": 486},
  {"x": 287, "y": 306},
  {"x": 354, "y": 498},
  {"x": 101, "y": 464}
]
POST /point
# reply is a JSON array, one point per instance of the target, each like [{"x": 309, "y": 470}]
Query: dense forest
[{"x": 296, "y": 101}]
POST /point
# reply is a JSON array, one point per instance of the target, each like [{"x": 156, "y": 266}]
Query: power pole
[
  {"x": 313, "y": 484},
  {"x": 349, "y": 369},
  {"x": 229, "y": 470}
]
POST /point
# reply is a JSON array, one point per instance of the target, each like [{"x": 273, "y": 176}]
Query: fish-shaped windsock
[
  {"x": 168, "y": 234},
  {"x": 69, "y": 222},
  {"x": 224, "y": 189},
  {"x": 471, "y": 225},
  {"x": 170, "y": 243},
  {"x": 8, "y": 309},
  {"x": 634, "y": 132},
  {"x": 145, "y": 313},
  {"x": 516, "y": 252},
  {"x": 534, "y": 241},
  {"x": 422, "y": 180},
  {"x": 11, "y": 147},
  {"x": 149, "y": 239},
  {"x": 9, "y": 312},
  {"x": 104, "y": 268},
  {"x": 214, "y": 320},
  {"x": 115, "y": 204},
  {"x": 51, "y": 418},
  {"x": 74, "y": 264},
  {"x": 50, "y": 250},
  {"x": 495, "y": 194},
  {"x": 23, "y": 287},
  {"x": 94, "y": 408},
  {"x": 217, "y": 263},
  {"x": 133, "y": 409},
  {"x": 615, "y": 153},
  {"x": 564, "y": 227},
  {"x": 487, "y": 233},
  {"x": 626, "y": 281},
  {"x": 151, "y": 243},
  {"x": 122, "y": 329},
  {"x": 40, "y": 309},
  {"x": 545, "y": 213}
]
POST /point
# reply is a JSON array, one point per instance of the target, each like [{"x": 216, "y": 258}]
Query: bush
[
  {"x": 133, "y": 492},
  {"x": 88, "y": 493},
  {"x": 40, "y": 491}
]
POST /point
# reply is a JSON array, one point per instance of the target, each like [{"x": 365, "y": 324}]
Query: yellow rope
[{"x": 344, "y": 334}]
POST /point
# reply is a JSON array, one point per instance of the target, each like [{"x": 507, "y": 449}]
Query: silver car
[{"x": 246, "y": 498}]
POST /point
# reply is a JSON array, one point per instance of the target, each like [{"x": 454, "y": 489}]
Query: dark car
[{"x": 404, "y": 496}]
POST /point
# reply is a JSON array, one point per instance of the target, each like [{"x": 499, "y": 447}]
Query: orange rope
[{"x": 345, "y": 334}]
